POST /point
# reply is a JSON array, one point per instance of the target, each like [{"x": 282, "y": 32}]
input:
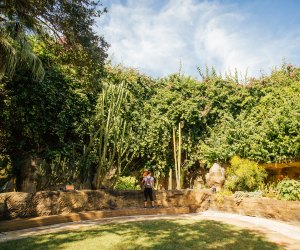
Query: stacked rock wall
[
  {"x": 22, "y": 205},
  {"x": 259, "y": 207}
]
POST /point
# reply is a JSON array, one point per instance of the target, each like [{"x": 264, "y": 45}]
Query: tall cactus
[
  {"x": 177, "y": 155},
  {"x": 108, "y": 143},
  {"x": 125, "y": 153}
]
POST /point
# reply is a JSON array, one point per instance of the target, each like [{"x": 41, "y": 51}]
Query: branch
[
  {"x": 51, "y": 28},
  {"x": 2, "y": 19}
]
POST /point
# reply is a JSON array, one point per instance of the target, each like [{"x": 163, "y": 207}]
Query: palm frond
[
  {"x": 34, "y": 64},
  {"x": 8, "y": 58},
  {"x": 15, "y": 52}
]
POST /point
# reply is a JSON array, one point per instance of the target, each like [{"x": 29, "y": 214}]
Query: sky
[{"x": 160, "y": 37}]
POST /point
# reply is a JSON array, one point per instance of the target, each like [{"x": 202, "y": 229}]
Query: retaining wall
[
  {"x": 23, "y": 205},
  {"x": 260, "y": 207}
]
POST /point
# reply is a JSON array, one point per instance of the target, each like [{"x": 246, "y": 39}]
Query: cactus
[
  {"x": 111, "y": 140},
  {"x": 177, "y": 155}
]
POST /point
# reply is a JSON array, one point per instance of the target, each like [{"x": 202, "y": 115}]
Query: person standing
[{"x": 148, "y": 183}]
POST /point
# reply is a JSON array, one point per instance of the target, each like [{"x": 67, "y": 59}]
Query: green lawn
[{"x": 155, "y": 234}]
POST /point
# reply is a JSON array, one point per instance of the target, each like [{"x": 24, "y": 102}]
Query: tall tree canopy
[
  {"x": 69, "y": 22},
  {"x": 50, "y": 60},
  {"x": 69, "y": 116}
]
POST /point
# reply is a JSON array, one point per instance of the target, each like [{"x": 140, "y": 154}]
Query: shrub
[
  {"x": 289, "y": 190},
  {"x": 241, "y": 194},
  {"x": 269, "y": 190},
  {"x": 244, "y": 175},
  {"x": 220, "y": 196},
  {"x": 127, "y": 183}
]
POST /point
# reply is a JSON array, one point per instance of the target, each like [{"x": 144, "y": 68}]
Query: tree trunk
[
  {"x": 25, "y": 172},
  {"x": 175, "y": 157},
  {"x": 179, "y": 156},
  {"x": 170, "y": 184}
]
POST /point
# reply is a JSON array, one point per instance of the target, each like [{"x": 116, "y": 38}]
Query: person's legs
[
  {"x": 152, "y": 203},
  {"x": 146, "y": 194},
  {"x": 151, "y": 197}
]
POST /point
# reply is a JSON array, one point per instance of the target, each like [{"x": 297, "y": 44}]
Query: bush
[
  {"x": 244, "y": 175},
  {"x": 255, "y": 194},
  {"x": 240, "y": 195},
  {"x": 269, "y": 190},
  {"x": 289, "y": 190},
  {"x": 127, "y": 183},
  {"x": 220, "y": 196}
]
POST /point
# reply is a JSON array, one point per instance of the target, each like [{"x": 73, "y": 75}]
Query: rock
[
  {"x": 47, "y": 202},
  {"x": 109, "y": 178},
  {"x": 9, "y": 186},
  {"x": 215, "y": 177},
  {"x": 3, "y": 206},
  {"x": 198, "y": 183},
  {"x": 19, "y": 204},
  {"x": 112, "y": 204}
]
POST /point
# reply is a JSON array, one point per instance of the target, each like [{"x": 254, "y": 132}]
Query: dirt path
[{"x": 284, "y": 234}]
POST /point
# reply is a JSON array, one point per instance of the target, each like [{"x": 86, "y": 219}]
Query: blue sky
[{"x": 156, "y": 36}]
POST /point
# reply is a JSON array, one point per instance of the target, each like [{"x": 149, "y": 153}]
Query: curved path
[{"x": 284, "y": 234}]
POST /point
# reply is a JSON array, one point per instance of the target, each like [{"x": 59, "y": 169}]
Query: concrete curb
[{"x": 18, "y": 224}]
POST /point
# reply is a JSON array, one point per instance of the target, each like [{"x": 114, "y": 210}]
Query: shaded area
[{"x": 157, "y": 234}]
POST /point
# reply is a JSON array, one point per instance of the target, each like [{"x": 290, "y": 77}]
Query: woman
[{"x": 148, "y": 183}]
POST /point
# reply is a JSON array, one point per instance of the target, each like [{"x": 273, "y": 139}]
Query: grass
[{"x": 154, "y": 234}]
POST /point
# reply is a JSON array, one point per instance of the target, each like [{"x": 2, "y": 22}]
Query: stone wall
[
  {"x": 22, "y": 205},
  {"x": 260, "y": 207}
]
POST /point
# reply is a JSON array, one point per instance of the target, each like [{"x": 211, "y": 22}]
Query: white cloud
[{"x": 193, "y": 33}]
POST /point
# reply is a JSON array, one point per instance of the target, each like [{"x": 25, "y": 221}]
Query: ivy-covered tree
[{"x": 43, "y": 118}]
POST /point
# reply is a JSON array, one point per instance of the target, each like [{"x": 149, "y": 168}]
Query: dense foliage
[
  {"x": 289, "y": 190},
  {"x": 68, "y": 22},
  {"x": 69, "y": 116},
  {"x": 49, "y": 82},
  {"x": 127, "y": 183},
  {"x": 220, "y": 119},
  {"x": 267, "y": 128},
  {"x": 244, "y": 175}
]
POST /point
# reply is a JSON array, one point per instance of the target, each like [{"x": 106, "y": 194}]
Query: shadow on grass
[{"x": 156, "y": 234}]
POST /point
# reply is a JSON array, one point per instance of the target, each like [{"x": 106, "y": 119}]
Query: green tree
[
  {"x": 15, "y": 52},
  {"x": 43, "y": 119},
  {"x": 69, "y": 21},
  {"x": 267, "y": 127}
]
